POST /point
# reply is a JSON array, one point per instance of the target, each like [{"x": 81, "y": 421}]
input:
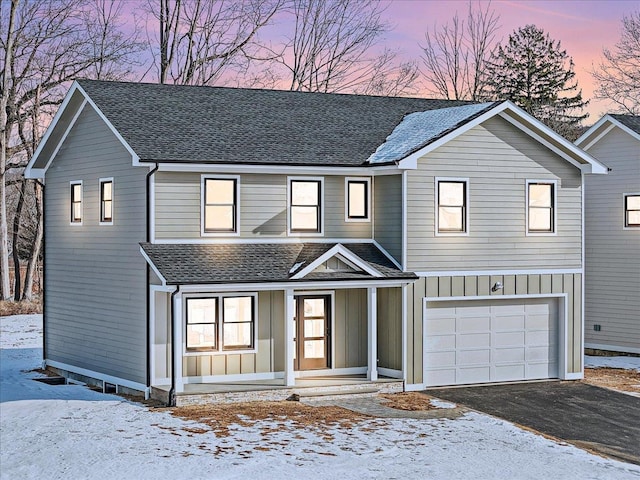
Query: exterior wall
[
  {"x": 612, "y": 262},
  {"x": 349, "y": 338},
  {"x": 388, "y": 214},
  {"x": 498, "y": 159},
  {"x": 95, "y": 284},
  {"x": 390, "y": 328},
  {"x": 475, "y": 286},
  {"x": 263, "y": 207}
]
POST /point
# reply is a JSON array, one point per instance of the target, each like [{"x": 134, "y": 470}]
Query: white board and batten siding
[
  {"x": 263, "y": 207},
  {"x": 95, "y": 286},
  {"x": 612, "y": 257}
]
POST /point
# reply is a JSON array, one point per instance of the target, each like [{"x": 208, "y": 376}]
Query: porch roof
[{"x": 202, "y": 264}]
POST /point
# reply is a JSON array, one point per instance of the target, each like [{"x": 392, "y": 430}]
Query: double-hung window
[
  {"x": 540, "y": 207},
  {"x": 358, "y": 200},
  {"x": 632, "y": 211},
  {"x": 76, "y": 203},
  {"x": 451, "y": 206},
  {"x": 106, "y": 200},
  {"x": 220, "y": 323},
  {"x": 220, "y": 205},
  {"x": 305, "y": 206}
]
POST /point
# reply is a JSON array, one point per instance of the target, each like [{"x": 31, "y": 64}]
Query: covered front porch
[{"x": 336, "y": 328}]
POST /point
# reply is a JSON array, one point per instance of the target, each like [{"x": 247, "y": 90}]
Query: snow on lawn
[
  {"x": 628, "y": 363},
  {"x": 72, "y": 432}
]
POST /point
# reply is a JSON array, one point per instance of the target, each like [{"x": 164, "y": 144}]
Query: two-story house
[
  {"x": 612, "y": 236},
  {"x": 203, "y": 239}
]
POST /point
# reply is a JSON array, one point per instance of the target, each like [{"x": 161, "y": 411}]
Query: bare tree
[
  {"x": 45, "y": 44},
  {"x": 455, "y": 54},
  {"x": 618, "y": 74},
  {"x": 198, "y": 41},
  {"x": 332, "y": 48}
]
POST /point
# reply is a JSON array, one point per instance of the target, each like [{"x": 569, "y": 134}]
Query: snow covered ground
[
  {"x": 72, "y": 432},
  {"x": 628, "y": 363}
]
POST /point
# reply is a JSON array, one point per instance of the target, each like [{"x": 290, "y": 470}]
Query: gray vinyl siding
[
  {"x": 263, "y": 207},
  {"x": 390, "y": 328},
  {"x": 349, "y": 338},
  {"x": 480, "y": 286},
  {"x": 612, "y": 262},
  {"x": 387, "y": 212},
  {"x": 95, "y": 276},
  {"x": 497, "y": 159}
]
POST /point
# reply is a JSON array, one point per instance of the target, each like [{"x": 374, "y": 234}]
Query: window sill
[{"x": 191, "y": 353}]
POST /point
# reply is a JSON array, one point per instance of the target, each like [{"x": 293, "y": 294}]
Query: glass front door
[{"x": 312, "y": 332}]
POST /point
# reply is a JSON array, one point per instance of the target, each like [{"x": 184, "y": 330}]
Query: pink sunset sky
[{"x": 584, "y": 28}]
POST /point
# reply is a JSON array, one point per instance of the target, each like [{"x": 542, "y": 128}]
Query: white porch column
[
  {"x": 289, "y": 344},
  {"x": 372, "y": 335},
  {"x": 177, "y": 346}
]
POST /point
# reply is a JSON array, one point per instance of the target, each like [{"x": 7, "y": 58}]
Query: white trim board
[
  {"x": 103, "y": 377},
  {"x": 611, "y": 348},
  {"x": 480, "y": 273},
  {"x": 338, "y": 251},
  {"x": 597, "y": 125}
]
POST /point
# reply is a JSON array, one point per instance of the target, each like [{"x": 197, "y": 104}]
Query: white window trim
[
  {"x": 467, "y": 196},
  {"x": 203, "y": 199},
  {"x": 220, "y": 321},
  {"x": 71, "y": 222},
  {"x": 367, "y": 180},
  {"x": 113, "y": 200},
  {"x": 624, "y": 211},
  {"x": 555, "y": 208},
  {"x": 321, "y": 206}
]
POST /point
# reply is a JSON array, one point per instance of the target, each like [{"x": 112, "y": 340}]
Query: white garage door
[{"x": 477, "y": 341}]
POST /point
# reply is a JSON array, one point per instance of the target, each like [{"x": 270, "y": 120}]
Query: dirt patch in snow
[
  {"x": 614, "y": 378},
  {"x": 409, "y": 401},
  {"x": 219, "y": 418}
]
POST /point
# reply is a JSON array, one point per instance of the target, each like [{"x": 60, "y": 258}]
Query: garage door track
[{"x": 605, "y": 421}]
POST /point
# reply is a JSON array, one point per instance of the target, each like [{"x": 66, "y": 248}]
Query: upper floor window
[
  {"x": 106, "y": 200},
  {"x": 76, "y": 202},
  {"x": 358, "y": 200},
  {"x": 452, "y": 206},
  {"x": 540, "y": 207},
  {"x": 305, "y": 205},
  {"x": 632, "y": 211},
  {"x": 220, "y": 209}
]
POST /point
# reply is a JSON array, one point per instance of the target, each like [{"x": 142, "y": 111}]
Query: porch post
[
  {"x": 372, "y": 333},
  {"x": 289, "y": 345},
  {"x": 177, "y": 346}
]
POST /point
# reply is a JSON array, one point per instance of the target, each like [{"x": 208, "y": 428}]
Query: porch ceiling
[{"x": 185, "y": 264}]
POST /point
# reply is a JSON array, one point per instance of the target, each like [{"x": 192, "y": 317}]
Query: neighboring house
[
  {"x": 197, "y": 236},
  {"x": 612, "y": 242}
]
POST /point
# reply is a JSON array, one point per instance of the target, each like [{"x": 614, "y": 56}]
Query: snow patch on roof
[{"x": 421, "y": 128}]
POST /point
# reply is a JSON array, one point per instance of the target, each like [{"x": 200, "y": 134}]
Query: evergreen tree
[{"x": 535, "y": 73}]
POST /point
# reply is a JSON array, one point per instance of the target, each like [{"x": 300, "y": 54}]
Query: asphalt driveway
[{"x": 592, "y": 417}]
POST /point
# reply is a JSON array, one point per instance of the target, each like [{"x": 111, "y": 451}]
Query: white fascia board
[
  {"x": 135, "y": 159},
  {"x": 223, "y": 168},
  {"x": 387, "y": 254},
  {"x": 410, "y": 162},
  {"x": 29, "y": 171},
  {"x": 153, "y": 267},
  {"x": 332, "y": 252},
  {"x": 606, "y": 119},
  {"x": 297, "y": 286}
]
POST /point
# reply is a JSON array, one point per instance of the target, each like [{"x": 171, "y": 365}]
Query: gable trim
[
  {"x": 607, "y": 118},
  {"x": 153, "y": 267},
  {"x": 347, "y": 256}
]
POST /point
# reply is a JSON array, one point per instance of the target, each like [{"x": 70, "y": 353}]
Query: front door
[{"x": 312, "y": 330}]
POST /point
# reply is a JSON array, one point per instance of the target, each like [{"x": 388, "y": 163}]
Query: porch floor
[{"x": 274, "y": 390}]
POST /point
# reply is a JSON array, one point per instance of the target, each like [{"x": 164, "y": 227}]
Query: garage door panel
[
  {"x": 472, "y": 324},
  {"x": 473, "y": 357},
  {"x": 474, "y": 340},
  {"x": 509, "y": 355},
  {"x": 507, "y": 339},
  {"x": 491, "y": 341}
]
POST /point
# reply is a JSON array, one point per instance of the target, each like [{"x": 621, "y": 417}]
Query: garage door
[{"x": 476, "y": 341}]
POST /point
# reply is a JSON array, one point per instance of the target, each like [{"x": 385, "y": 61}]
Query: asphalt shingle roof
[
  {"x": 419, "y": 129},
  {"x": 171, "y": 123},
  {"x": 183, "y": 264},
  {"x": 631, "y": 121}
]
